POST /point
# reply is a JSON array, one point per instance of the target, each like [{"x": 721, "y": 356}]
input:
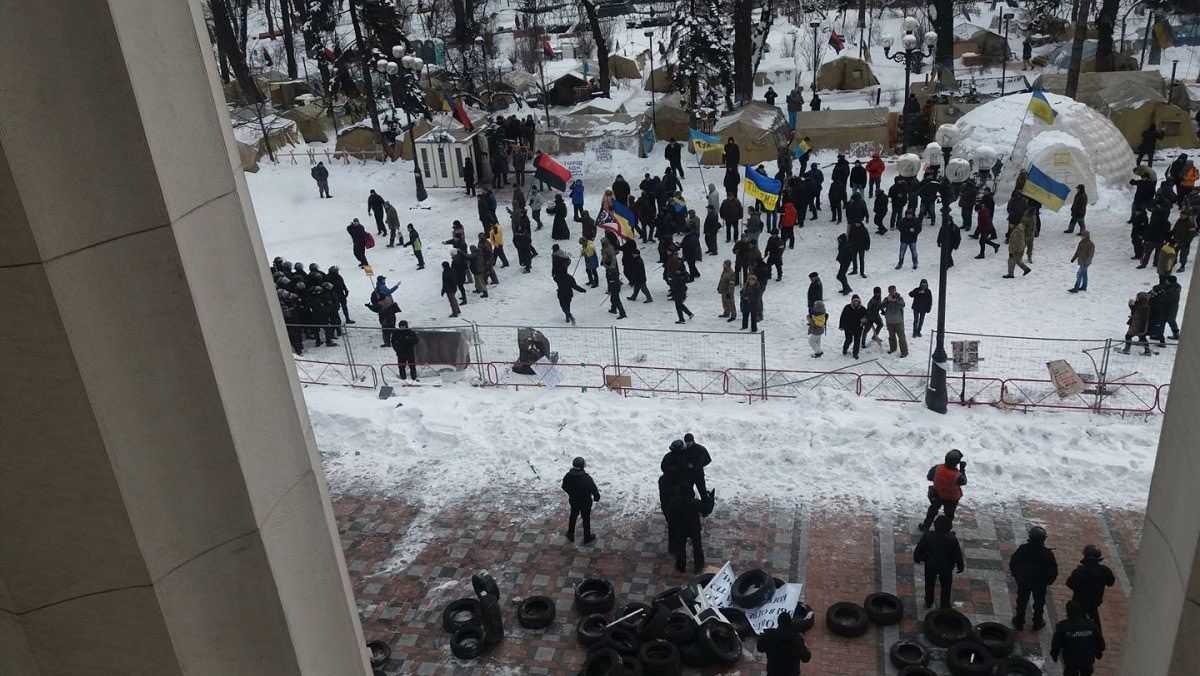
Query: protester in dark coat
[
  {"x": 404, "y": 342},
  {"x": 859, "y": 239},
  {"x": 558, "y": 210},
  {"x": 635, "y": 272},
  {"x": 1088, "y": 582},
  {"x": 922, "y": 303},
  {"x": 320, "y": 174},
  {"x": 941, "y": 553},
  {"x": 843, "y": 259},
  {"x": 1035, "y": 568},
  {"x": 581, "y": 493},
  {"x": 358, "y": 240},
  {"x": 784, "y": 647},
  {"x": 684, "y": 511},
  {"x": 449, "y": 286},
  {"x": 697, "y": 458},
  {"x": 375, "y": 208},
  {"x": 854, "y": 314}
]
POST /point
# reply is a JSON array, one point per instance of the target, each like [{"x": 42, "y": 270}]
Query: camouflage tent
[{"x": 845, "y": 72}]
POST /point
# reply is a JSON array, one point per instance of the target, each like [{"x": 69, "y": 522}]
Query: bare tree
[
  {"x": 601, "y": 42},
  {"x": 1106, "y": 23},
  {"x": 229, "y": 47},
  {"x": 1081, "y": 8},
  {"x": 743, "y": 47},
  {"x": 289, "y": 45}
]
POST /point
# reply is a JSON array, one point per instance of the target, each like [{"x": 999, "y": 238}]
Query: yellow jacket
[{"x": 497, "y": 235}]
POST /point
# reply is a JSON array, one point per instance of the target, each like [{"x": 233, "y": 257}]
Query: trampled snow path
[{"x": 446, "y": 445}]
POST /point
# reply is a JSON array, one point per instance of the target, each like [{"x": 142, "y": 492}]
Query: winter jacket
[
  {"x": 449, "y": 281},
  {"x": 684, "y": 512},
  {"x": 1139, "y": 315},
  {"x": 404, "y": 342},
  {"x": 1016, "y": 209},
  {"x": 1171, "y": 300},
  {"x": 580, "y": 488},
  {"x": 840, "y": 173},
  {"x": 858, "y": 176},
  {"x": 577, "y": 194},
  {"x": 320, "y": 172},
  {"x": 1016, "y": 242},
  {"x": 691, "y": 246},
  {"x": 725, "y": 285},
  {"x": 874, "y": 307},
  {"x": 817, "y": 318},
  {"x": 947, "y": 482},
  {"x": 751, "y": 298},
  {"x": 375, "y": 203},
  {"x": 893, "y": 310},
  {"x": 1184, "y": 231},
  {"x": 1078, "y": 641},
  {"x": 635, "y": 270},
  {"x": 949, "y": 235},
  {"x": 967, "y": 194},
  {"x": 922, "y": 299},
  {"x": 844, "y": 256},
  {"x": 358, "y": 234},
  {"x": 731, "y": 210},
  {"x": 714, "y": 197},
  {"x": 733, "y": 155},
  {"x": 898, "y": 194},
  {"x": 1150, "y": 139},
  {"x": 1088, "y": 582},
  {"x": 816, "y": 291},
  {"x": 1079, "y": 205},
  {"x": 852, "y": 317},
  {"x": 1166, "y": 259},
  {"x": 788, "y": 219},
  {"x": 940, "y": 551},
  {"x": 875, "y": 167},
  {"x": 1084, "y": 251},
  {"x": 856, "y": 210},
  {"x": 1033, "y": 565},
  {"x": 785, "y": 650},
  {"x": 910, "y": 229}
]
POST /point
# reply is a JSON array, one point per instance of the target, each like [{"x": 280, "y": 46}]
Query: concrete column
[
  {"x": 1163, "y": 635},
  {"x": 162, "y": 509}
]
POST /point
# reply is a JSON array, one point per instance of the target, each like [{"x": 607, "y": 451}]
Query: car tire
[
  {"x": 603, "y": 662},
  {"x": 380, "y": 653},
  {"x": 721, "y": 641},
  {"x": 492, "y": 622},
  {"x": 907, "y": 653},
  {"x": 536, "y": 612},
  {"x": 660, "y": 658},
  {"x": 594, "y": 595},
  {"x": 944, "y": 627},
  {"x": 590, "y": 629},
  {"x": 620, "y": 639},
  {"x": 998, "y": 638},
  {"x": 884, "y": 609},
  {"x": 680, "y": 629},
  {"x": 484, "y": 584},
  {"x": 804, "y": 617},
  {"x": 738, "y": 619},
  {"x": 468, "y": 643},
  {"x": 668, "y": 596},
  {"x": 694, "y": 655},
  {"x": 846, "y": 619},
  {"x": 752, "y": 588},
  {"x": 702, "y": 580},
  {"x": 1017, "y": 666},
  {"x": 916, "y": 671},
  {"x": 462, "y": 613},
  {"x": 969, "y": 658},
  {"x": 652, "y": 627},
  {"x": 634, "y": 623}
]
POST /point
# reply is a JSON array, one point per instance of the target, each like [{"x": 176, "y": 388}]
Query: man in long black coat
[
  {"x": 684, "y": 511},
  {"x": 581, "y": 493},
  {"x": 784, "y": 647}
]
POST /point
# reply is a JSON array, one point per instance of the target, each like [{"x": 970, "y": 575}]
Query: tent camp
[
  {"x": 670, "y": 119},
  {"x": 1130, "y": 99},
  {"x": 759, "y": 130},
  {"x": 860, "y": 132},
  {"x": 1060, "y": 60},
  {"x": 963, "y": 32},
  {"x": 988, "y": 46},
  {"x": 248, "y": 132},
  {"x": 662, "y": 79},
  {"x": 310, "y": 121},
  {"x": 845, "y": 72},
  {"x": 623, "y": 67},
  {"x": 577, "y": 132},
  {"x": 360, "y": 141}
]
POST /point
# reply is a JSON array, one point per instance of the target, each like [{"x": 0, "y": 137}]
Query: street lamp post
[
  {"x": 402, "y": 78},
  {"x": 653, "y": 108},
  {"x": 954, "y": 172},
  {"x": 1004, "y": 62},
  {"x": 815, "y": 26},
  {"x": 910, "y": 54}
]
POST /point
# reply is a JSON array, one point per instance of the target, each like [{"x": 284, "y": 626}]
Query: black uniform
[
  {"x": 785, "y": 650},
  {"x": 1088, "y": 582},
  {"x": 404, "y": 342},
  {"x": 375, "y": 208},
  {"x": 613, "y": 278},
  {"x": 1079, "y": 642},
  {"x": 1034, "y": 567},
  {"x": 684, "y": 511},
  {"x": 941, "y": 553},
  {"x": 581, "y": 492}
]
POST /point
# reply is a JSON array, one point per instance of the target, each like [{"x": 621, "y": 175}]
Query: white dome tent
[{"x": 1082, "y": 146}]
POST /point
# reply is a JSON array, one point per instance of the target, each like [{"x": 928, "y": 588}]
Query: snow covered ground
[{"x": 442, "y": 446}]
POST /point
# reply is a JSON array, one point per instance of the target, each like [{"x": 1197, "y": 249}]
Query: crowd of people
[{"x": 685, "y": 498}]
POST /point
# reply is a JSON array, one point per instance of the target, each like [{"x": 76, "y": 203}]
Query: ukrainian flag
[
  {"x": 1039, "y": 106},
  {"x": 1049, "y": 192},
  {"x": 802, "y": 149},
  {"x": 622, "y": 223},
  {"x": 762, "y": 188},
  {"x": 702, "y": 142}
]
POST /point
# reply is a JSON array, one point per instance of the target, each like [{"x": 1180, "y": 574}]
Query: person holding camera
[{"x": 948, "y": 479}]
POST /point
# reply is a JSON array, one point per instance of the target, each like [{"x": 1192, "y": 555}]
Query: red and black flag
[
  {"x": 550, "y": 172},
  {"x": 836, "y": 41}
]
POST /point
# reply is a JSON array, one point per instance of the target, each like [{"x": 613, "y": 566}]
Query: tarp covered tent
[
  {"x": 577, "y": 132},
  {"x": 248, "y": 132},
  {"x": 670, "y": 119},
  {"x": 1000, "y": 122},
  {"x": 310, "y": 120},
  {"x": 359, "y": 141},
  {"x": 759, "y": 130},
  {"x": 963, "y": 32},
  {"x": 1060, "y": 59},
  {"x": 623, "y": 67},
  {"x": 1130, "y": 99},
  {"x": 846, "y": 72},
  {"x": 662, "y": 79},
  {"x": 859, "y": 132},
  {"x": 989, "y": 46},
  {"x": 598, "y": 106}
]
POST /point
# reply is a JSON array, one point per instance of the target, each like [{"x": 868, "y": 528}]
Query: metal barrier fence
[{"x": 644, "y": 362}]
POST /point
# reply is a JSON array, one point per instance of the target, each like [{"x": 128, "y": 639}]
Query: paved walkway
[{"x": 838, "y": 553}]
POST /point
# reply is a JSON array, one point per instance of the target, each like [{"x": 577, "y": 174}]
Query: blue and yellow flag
[
  {"x": 762, "y": 188},
  {"x": 702, "y": 142},
  {"x": 1049, "y": 192},
  {"x": 803, "y": 148},
  {"x": 1038, "y": 105},
  {"x": 619, "y": 221}
]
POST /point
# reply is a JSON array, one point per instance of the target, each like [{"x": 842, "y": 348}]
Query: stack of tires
[
  {"x": 850, "y": 620},
  {"x": 475, "y": 623},
  {"x": 981, "y": 650},
  {"x": 653, "y": 639}
]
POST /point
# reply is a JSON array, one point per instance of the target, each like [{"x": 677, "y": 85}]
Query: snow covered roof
[
  {"x": 964, "y": 31},
  {"x": 1129, "y": 95},
  {"x": 246, "y": 127}
]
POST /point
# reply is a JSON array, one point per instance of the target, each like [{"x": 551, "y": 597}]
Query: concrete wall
[{"x": 162, "y": 509}]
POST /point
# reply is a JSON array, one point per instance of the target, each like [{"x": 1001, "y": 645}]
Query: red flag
[
  {"x": 329, "y": 55},
  {"x": 836, "y": 41},
  {"x": 460, "y": 113},
  {"x": 550, "y": 172}
]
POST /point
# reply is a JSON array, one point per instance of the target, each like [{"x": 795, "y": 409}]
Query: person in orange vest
[{"x": 948, "y": 479}]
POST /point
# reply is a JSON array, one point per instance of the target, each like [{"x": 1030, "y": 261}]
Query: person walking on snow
[
  {"x": 910, "y": 229},
  {"x": 358, "y": 241},
  {"x": 893, "y": 316},
  {"x": 922, "y": 303},
  {"x": 1016, "y": 249},
  {"x": 1078, "y": 210},
  {"x": 612, "y": 278},
  {"x": 685, "y": 510},
  {"x": 320, "y": 174},
  {"x": 1035, "y": 568},
  {"x": 1084, "y": 252},
  {"x": 875, "y": 169},
  {"x": 854, "y": 315},
  {"x": 404, "y": 342},
  {"x": 817, "y": 318},
  {"x": 375, "y": 208},
  {"x": 942, "y": 555},
  {"x": 948, "y": 479},
  {"x": 581, "y": 494},
  {"x": 725, "y": 289}
]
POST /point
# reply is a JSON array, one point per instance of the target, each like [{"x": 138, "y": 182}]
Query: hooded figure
[
  {"x": 784, "y": 647},
  {"x": 581, "y": 493},
  {"x": 1035, "y": 568},
  {"x": 941, "y": 553}
]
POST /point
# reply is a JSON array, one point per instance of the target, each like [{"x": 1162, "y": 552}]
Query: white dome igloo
[{"x": 998, "y": 124}]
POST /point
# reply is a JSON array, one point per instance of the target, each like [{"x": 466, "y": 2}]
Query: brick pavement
[{"x": 839, "y": 553}]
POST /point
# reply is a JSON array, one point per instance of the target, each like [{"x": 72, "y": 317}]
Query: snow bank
[{"x": 445, "y": 445}]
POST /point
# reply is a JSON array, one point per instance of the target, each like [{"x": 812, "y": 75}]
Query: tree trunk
[
  {"x": 1106, "y": 23},
  {"x": 289, "y": 44},
  {"x": 228, "y": 44},
  {"x": 361, "y": 52},
  {"x": 601, "y": 43},
  {"x": 743, "y": 51},
  {"x": 1079, "y": 15},
  {"x": 462, "y": 23},
  {"x": 270, "y": 18},
  {"x": 244, "y": 24},
  {"x": 862, "y": 27},
  {"x": 943, "y": 25}
]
